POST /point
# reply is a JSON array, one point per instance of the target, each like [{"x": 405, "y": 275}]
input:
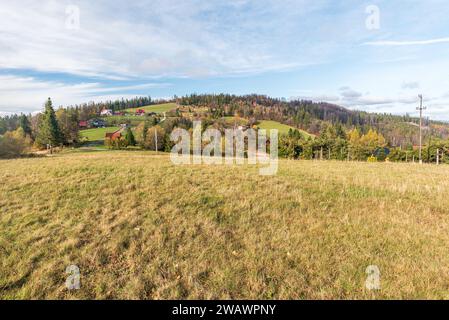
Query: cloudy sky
[{"x": 368, "y": 55}]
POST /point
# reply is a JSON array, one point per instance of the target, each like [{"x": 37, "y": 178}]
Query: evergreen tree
[
  {"x": 49, "y": 132},
  {"x": 24, "y": 123},
  {"x": 129, "y": 138}
]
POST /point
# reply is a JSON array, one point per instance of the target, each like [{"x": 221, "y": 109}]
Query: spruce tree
[
  {"x": 49, "y": 132},
  {"x": 24, "y": 123},
  {"x": 129, "y": 138}
]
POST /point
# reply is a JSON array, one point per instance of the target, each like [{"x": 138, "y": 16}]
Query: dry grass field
[{"x": 139, "y": 227}]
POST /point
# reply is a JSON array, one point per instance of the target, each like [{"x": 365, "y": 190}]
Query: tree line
[
  {"x": 49, "y": 129},
  {"x": 313, "y": 117}
]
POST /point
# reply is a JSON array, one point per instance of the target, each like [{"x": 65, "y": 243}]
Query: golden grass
[{"x": 139, "y": 227}]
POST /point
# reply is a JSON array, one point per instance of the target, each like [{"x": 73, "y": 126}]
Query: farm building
[
  {"x": 114, "y": 135},
  {"x": 140, "y": 112},
  {"x": 83, "y": 124}
]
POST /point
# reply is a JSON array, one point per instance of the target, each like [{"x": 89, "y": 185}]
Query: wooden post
[
  {"x": 438, "y": 157},
  {"x": 321, "y": 154}
]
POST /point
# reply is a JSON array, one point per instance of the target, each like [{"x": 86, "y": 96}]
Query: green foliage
[
  {"x": 24, "y": 123},
  {"x": 333, "y": 143},
  {"x": 68, "y": 122},
  {"x": 129, "y": 137},
  {"x": 312, "y": 117},
  {"x": 291, "y": 145},
  {"x": 49, "y": 131}
]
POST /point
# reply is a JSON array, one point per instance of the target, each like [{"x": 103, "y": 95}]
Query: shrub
[{"x": 14, "y": 144}]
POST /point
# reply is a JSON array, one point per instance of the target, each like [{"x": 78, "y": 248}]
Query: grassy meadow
[
  {"x": 282, "y": 128},
  {"x": 97, "y": 134},
  {"x": 139, "y": 227},
  {"x": 157, "y": 108}
]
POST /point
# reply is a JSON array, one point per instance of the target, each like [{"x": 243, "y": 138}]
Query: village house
[
  {"x": 106, "y": 112},
  {"x": 140, "y": 112},
  {"x": 83, "y": 124},
  {"x": 114, "y": 135}
]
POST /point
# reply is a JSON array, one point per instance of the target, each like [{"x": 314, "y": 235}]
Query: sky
[{"x": 375, "y": 56}]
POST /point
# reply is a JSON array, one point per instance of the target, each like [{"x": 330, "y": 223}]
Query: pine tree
[
  {"x": 129, "y": 138},
  {"x": 49, "y": 132},
  {"x": 24, "y": 123}
]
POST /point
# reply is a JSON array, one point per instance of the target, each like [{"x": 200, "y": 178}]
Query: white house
[{"x": 106, "y": 112}]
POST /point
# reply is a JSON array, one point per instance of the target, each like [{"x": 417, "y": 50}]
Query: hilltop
[{"x": 312, "y": 116}]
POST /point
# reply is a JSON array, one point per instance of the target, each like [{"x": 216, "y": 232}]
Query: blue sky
[{"x": 367, "y": 55}]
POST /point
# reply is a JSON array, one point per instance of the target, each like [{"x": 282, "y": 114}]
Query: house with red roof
[{"x": 114, "y": 135}]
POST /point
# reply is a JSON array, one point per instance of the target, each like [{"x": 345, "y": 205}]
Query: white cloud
[
  {"x": 407, "y": 43},
  {"x": 410, "y": 85},
  {"x": 150, "y": 38},
  {"x": 348, "y": 93}
]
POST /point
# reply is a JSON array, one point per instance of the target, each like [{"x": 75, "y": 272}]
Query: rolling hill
[
  {"x": 157, "y": 108},
  {"x": 282, "y": 128}
]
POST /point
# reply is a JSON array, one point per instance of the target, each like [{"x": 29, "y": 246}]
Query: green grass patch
[
  {"x": 157, "y": 108},
  {"x": 97, "y": 134},
  {"x": 282, "y": 128}
]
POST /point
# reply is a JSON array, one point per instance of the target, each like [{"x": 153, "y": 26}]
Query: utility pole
[
  {"x": 155, "y": 138},
  {"x": 420, "y": 108}
]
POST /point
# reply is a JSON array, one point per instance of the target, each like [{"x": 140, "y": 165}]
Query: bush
[
  {"x": 116, "y": 144},
  {"x": 14, "y": 144}
]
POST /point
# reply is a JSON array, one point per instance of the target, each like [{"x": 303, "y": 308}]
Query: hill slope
[
  {"x": 282, "y": 128},
  {"x": 313, "y": 116},
  {"x": 139, "y": 227},
  {"x": 157, "y": 108}
]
